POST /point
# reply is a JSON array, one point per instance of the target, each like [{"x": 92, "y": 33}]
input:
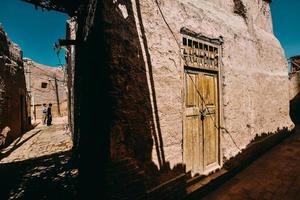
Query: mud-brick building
[
  {"x": 295, "y": 64},
  {"x": 181, "y": 86},
  {"x": 45, "y": 84},
  {"x": 295, "y": 89},
  {"x": 13, "y": 97},
  {"x": 191, "y": 83},
  {"x": 202, "y": 79}
]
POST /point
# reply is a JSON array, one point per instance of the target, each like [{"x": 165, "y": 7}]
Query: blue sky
[
  {"x": 286, "y": 15},
  {"x": 35, "y": 31}
]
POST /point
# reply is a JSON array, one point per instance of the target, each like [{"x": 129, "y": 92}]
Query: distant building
[
  {"x": 295, "y": 64},
  {"x": 14, "y": 116},
  {"x": 294, "y": 89},
  {"x": 45, "y": 85}
]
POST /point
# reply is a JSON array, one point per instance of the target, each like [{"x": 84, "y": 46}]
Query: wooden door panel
[
  {"x": 209, "y": 89},
  {"x": 210, "y": 141},
  {"x": 210, "y": 122},
  {"x": 191, "y": 93},
  {"x": 192, "y": 153},
  {"x": 200, "y": 137}
]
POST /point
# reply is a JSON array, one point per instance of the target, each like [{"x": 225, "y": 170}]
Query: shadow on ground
[
  {"x": 47, "y": 177},
  {"x": 17, "y": 145}
]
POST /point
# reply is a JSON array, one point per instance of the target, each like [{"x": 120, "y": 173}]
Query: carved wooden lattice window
[
  {"x": 200, "y": 51},
  {"x": 198, "y": 54}
]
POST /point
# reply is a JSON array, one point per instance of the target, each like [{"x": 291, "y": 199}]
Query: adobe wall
[
  {"x": 38, "y": 74},
  {"x": 13, "y": 112},
  {"x": 254, "y": 70},
  {"x": 141, "y": 73},
  {"x": 294, "y": 90},
  {"x": 147, "y": 69},
  {"x": 294, "y": 87}
]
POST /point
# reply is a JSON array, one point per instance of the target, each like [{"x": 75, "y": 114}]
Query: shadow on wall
[
  {"x": 133, "y": 127},
  {"x": 258, "y": 145},
  {"x": 295, "y": 106},
  {"x": 295, "y": 109},
  {"x": 256, "y": 148},
  {"x": 136, "y": 125},
  {"x": 121, "y": 93},
  {"x": 13, "y": 112}
]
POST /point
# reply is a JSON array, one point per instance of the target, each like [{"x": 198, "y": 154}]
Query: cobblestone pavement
[
  {"x": 36, "y": 166},
  {"x": 275, "y": 175},
  {"x": 40, "y": 141}
]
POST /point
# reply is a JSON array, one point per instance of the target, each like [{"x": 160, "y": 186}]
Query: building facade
[
  {"x": 45, "y": 84},
  {"x": 295, "y": 64},
  {"x": 295, "y": 89},
  {"x": 14, "y": 118},
  {"x": 167, "y": 89},
  {"x": 214, "y": 71},
  {"x": 192, "y": 83}
]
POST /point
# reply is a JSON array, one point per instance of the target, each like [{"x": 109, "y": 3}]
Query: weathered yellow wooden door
[{"x": 201, "y": 134}]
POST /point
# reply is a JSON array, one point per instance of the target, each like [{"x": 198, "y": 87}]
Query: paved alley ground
[
  {"x": 40, "y": 141},
  {"x": 36, "y": 166},
  {"x": 275, "y": 175}
]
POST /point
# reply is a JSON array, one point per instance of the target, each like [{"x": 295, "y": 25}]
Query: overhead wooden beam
[
  {"x": 69, "y": 7},
  {"x": 268, "y": 1},
  {"x": 66, "y": 42}
]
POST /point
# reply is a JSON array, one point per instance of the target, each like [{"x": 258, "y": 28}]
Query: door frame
[
  {"x": 209, "y": 168},
  {"x": 218, "y": 72}
]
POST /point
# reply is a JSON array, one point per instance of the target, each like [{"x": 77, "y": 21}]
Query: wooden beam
[
  {"x": 69, "y": 7},
  {"x": 66, "y": 42}
]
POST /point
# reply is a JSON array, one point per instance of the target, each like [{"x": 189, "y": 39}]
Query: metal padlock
[{"x": 203, "y": 113}]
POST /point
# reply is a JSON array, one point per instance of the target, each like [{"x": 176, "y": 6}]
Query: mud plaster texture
[
  {"x": 255, "y": 97},
  {"x": 38, "y": 74},
  {"x": 254, "y": 74},
  {"x": 13, "y": 114},
  {"x": 294, "y": 85}
]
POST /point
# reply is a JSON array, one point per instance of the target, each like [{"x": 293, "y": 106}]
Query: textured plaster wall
[
  {"x": 294, "y": 85},
  {"x": 39, "y": 74},
  {"x": 254, "y": 70},
  {"x": 12, "y": 87},
  {"x": 294, "y": 91},
  {"x": 132, "y": 127}
]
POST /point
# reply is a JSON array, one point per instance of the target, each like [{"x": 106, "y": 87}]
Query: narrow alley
[
  {"x": 35, "y": 166},
  {"x": 149, "y": 100},
  {"x": 38, "y": 142}
]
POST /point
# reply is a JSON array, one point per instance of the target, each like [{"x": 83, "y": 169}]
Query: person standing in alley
[
  {"x": 49, "y": 115},
  {"x": 44, "y": 113}
]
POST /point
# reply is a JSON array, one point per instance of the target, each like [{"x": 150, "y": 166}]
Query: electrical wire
[{"x": 198, "y": 92}]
